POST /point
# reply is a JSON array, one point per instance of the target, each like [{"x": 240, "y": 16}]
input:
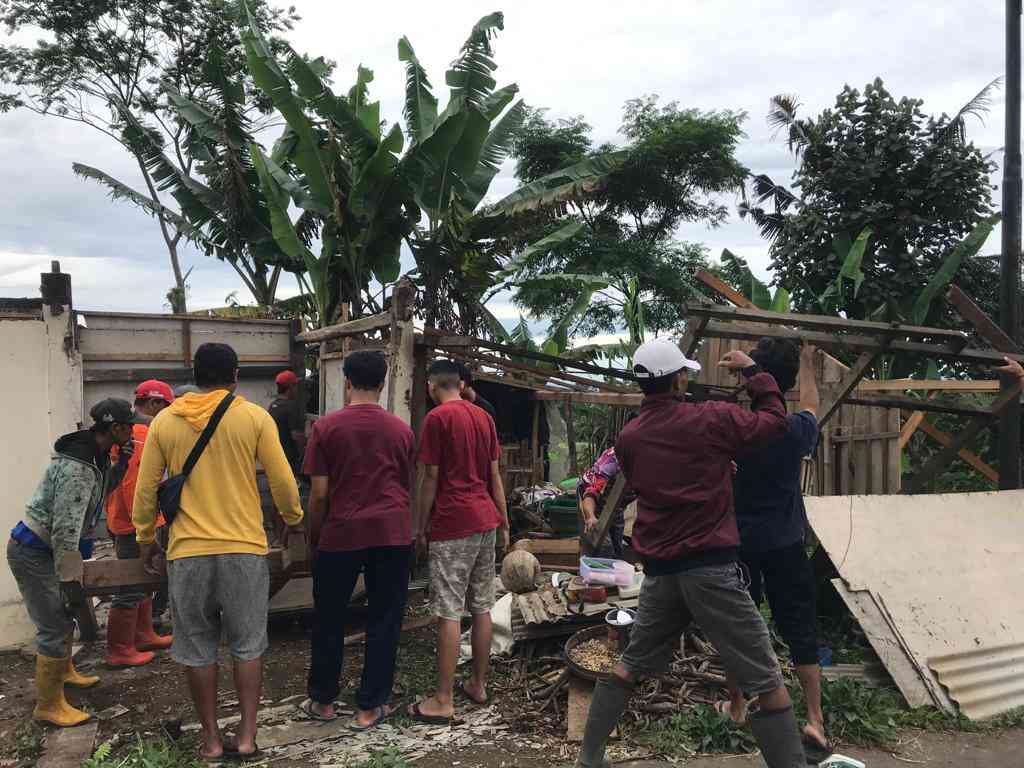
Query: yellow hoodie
[{"x": 220, "y": 505}]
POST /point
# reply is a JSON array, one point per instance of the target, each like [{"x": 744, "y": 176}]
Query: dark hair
[
  {"x": 366, "y": 369},
  {"x": 465, "y": 374},
  {"x": 215, "y": 365},
  {"x": 658, "y": 386},
  {"x": 780, "y": 358},
  {"x": 445, "y": 374},
  {"x": 282, "y": 388}
]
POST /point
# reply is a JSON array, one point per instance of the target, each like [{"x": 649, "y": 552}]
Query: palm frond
[
  {"x": 955, "y": 131},
  {"x": 782, "y": 111}
]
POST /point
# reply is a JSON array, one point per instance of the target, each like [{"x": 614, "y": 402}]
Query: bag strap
[{"x": 204, "y": 439}]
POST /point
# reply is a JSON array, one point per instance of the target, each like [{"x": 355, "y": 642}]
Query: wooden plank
[
  {"x": 592, "y": 542},
  {"x": 910, "y": 427},
  {"x": 826, "y": 453},
  {"x": 175, "y": 374},
  {"x": 724, "y": 290},
  {"x": 894, "y": 456},
  {"x": 67, "y": 747},
  {"x": 876, "y": 448},
  {"x": 861, "y": 460},
  {"x": 829, "y": 323},
  {"x": 929, "y": 385},
  {"x": 929, "y": 406},
  {"x": 975, "y": 461},
  {"x": 941, "y": 460},
  {"x": 198, "y": 316},
  {"x": 350, "y": 328},
  {"x": 844, "y": 454},
  {"x": 844, "y": 387},
  {"x": 590, "y": 398},
  {"x": 163, "y": 357},
  {"x": 983, "y": 324},
  {"x": 552, "y": 552},
  {"x": 497, "y": 362},
  {"x": 692, "y": 335}
]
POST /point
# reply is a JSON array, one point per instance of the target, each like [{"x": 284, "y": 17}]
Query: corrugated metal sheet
[{"x": 983, "y": 682}]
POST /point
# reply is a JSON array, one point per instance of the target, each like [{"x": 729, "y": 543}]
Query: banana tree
[
  {"x": 338, "y": 165},
  {"x": 224, "y": 214}
]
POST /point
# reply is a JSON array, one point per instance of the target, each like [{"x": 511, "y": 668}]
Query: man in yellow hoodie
[{"x": 217, "y": 572}]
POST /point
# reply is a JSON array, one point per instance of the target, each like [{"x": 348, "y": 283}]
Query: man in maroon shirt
[
  {"x": 677, "y": 457},
  {"x": 361, "y": 462},
  {"x": 460, "y": 507}
]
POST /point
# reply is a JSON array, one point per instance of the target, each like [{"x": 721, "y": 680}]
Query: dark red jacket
[{"x": 677, "y": 457}]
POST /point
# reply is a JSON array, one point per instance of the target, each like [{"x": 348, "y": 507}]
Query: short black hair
[
  {"x": 445, "y": 374},
  {"x": 658, "y": 386},
  {"x": 215, "y": 365},
  {"x": 465, "y": 374},
  {"x": 366, "y": 369},
  {"x": 282, "y": 388},
  {"x": 780, "y": 358}
]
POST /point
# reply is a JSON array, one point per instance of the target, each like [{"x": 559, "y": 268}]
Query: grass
[
  {"x": 154, "y": 753},
  {"x": 700, "y": 729},
  {"x": 28, "y": 741},
  {"x": 384, "y": 758}
]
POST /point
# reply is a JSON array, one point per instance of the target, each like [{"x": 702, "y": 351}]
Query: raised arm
[
  {"x": 809, "y": 399},
  {"x": 766, "y": 418}
]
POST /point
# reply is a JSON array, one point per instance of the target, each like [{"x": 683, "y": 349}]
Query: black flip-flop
[
  {"x": 814, "y": 751},
  {"x": 306, "y": 708},
  {"x": 414, "y": 713},
  {"x": 356, "y": 727},
  {"x": 232, "y": 754},
  {"x": 468, "y": 695}
]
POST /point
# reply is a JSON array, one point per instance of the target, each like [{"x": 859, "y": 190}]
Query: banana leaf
[{"x": 573, "y": 181}]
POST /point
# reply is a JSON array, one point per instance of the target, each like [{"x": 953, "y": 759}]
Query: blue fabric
[
  {"x": 769, "y": 503},
  {"x": 25, "y": 536}
]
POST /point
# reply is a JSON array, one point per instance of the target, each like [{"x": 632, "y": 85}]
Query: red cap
[
  {"x": 286, "y": 378},
  {"x": 154, "y": 389}
]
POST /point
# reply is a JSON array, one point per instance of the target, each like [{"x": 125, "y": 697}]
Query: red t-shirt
[
  {"x": 368, "y": 457},
  {"x": 459, "y": 439}
]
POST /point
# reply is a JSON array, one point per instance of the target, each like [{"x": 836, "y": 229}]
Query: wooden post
[
  {"x": 847, "y": 385},
  {"x": 592, "y": 542},
  {"x": 570, "y": 438},
  {"x": 537, "y": 463}
]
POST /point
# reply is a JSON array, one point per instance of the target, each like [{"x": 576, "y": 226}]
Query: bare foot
[
  {"x": 431, "y": 707},
  {"x": 817, "y": 732},
  {"x": 210, "y": 747},
  {"x": 366, "y": 717},
  {"x": 476, "y": 692},
  {"x": 735, "y": 710}
]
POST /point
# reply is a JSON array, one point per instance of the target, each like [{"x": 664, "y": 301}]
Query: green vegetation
[
  {"x": 383, "y": 758},
  {"x": 699, "y": 729},
  {"x": 28, "y": 741},
  {"x": 153, "y": 753}
]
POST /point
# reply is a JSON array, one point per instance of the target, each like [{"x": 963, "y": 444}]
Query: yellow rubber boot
[
  {"x": 73, "y": 678},
  {"x": 51, "y": 706}
]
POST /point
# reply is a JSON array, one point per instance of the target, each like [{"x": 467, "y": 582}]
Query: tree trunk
[{"x": 176, "y": 297}]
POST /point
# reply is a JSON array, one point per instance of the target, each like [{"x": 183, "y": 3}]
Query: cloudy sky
[{"x": 576, "y": 57}]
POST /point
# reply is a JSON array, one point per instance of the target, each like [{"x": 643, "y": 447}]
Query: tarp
[{"x": 933, "y": 577}]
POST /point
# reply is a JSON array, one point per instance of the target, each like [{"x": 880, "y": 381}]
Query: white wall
[{"x": 40, "y": 399}]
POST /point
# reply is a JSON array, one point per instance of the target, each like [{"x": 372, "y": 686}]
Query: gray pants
[
  {"x": 36, "y": 576},
  {"x": 213, "y": 595},
  {"x": 126, "y": 548}
]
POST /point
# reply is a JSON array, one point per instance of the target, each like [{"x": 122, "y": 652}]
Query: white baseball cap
[{"x": 661, "y": 357}]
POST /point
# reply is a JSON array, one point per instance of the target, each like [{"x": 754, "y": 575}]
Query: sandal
[
  {"x": 231, "y": 752},
  {"x": 306, "y": 708},
  {"x": 471, "y": 697},
  {"x": 356, "y": 727},
  {"x": 417, "y": 715}
]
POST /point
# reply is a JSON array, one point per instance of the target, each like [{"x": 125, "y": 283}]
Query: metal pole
[{"x": 1009, "y": 261}]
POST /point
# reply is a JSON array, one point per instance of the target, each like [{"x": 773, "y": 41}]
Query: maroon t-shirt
[
  {"x": 368, "y": 457},
  {"x": 459, "y": 439}
]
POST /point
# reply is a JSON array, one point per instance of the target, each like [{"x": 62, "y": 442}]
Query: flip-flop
[
  {"x": 813, "y": 750},
  {"x": 722, "y": 708},
  {"x": 232, "y": 754},
  {"x": 414, "y": 713},
  {"x": 356, "y": 727},
  {"x": 471, "y": 697},
  {"x": 306, "y": 708}
]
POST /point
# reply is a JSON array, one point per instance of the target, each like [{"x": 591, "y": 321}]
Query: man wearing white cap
[{"x": 677, "y": 457}]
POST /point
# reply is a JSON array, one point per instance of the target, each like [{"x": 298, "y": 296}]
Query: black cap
[{"x": 113, "y": 410}]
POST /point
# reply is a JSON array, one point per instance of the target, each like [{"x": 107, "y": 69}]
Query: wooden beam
[
  {"x": 824, "y": 323},
  {"x": 350, "y": 328},
  {"x": 196, "y": 317},
  {"x": 174, "y": 374},
  {"x": 591, "y": 542},
  {"x": 857, "y": 343},
  {"x": 846, "y": 386},
  {"x": 931, "y": 385},
  {"x": 724, "y": 290},
  {"x": 589, "y": 398},
  {"x": 928, "y": 406},
  {"x": 691, "y": 337},
  {"x": 969, "y": 457},
  {"x": 462, "y": 342},
  {"x": 983, "y": 324},
  {"x": 508, "y": 365},
  {"x": 164, "y": 357},
  {"x": 910, "y": 427},
  {"x": 941, "y": 460}
]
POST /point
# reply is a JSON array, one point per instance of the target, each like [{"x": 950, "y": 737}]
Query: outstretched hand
[
  {"x": 736, "y": 361},
  {"x": 1012, "y": 368}
]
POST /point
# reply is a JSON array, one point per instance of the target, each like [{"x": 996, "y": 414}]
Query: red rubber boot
[
  {"x": 146, "y": 638},
  {"x": 121, "y": 650}
]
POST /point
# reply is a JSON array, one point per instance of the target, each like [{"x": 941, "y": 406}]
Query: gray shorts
[
  {"x": 462, "y": 576},
  {"x": 213, "y": 595},
  {"x": 36, "y": 576},
  {"x": 717, "y": 598}
]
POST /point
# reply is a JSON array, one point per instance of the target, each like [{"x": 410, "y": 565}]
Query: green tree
[
  {"x": 671, "y": 169},
  {"x": 106, "y": 65},
  {"x": 874, "y": 163}
]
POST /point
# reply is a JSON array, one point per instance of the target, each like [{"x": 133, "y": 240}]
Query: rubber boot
[
  {"x": 51, "y": 706},
  {"x": 606, "y": 707},
  {"x": 121, "y": 650},
  {"x": 146, "y": 638},
  {"x": 778, "y": 736},
  {"x": 72, "y": 677}
]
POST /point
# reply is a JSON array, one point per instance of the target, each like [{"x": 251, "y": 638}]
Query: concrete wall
[{"x": 40, "y": 399}]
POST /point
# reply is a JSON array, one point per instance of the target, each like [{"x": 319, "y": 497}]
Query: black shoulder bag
[{"x": 168, "y": 494}]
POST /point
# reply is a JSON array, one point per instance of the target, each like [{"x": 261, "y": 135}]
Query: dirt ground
[{"x": 145, "y": 699}]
